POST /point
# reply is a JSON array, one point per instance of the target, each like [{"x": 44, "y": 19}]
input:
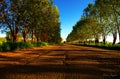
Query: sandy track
[{"x": 67, "y": 60}]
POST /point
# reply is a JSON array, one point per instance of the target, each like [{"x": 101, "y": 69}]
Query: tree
[
  {"x": 91, "y": 13},
  {"x": 112, "y": 10},
  {"x": 81, "y": 31},
  {"x": 48, "y": 26},
  {"x": 12, "y": 18},
  {"x": 55, "y": 26},
  {"x": 34, "y": 18},
  {"x": 1, "y": 10},
  {"x": 103, "y": 18}
]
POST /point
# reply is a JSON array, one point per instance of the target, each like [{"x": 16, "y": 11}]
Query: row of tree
[
  {"x": 99, "y": 19},
  {"x": 34, "y": 19}
]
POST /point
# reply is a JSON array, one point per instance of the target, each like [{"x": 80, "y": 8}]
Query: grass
[
  {"x": 10, "y": 46},
  {"x": 2, "y": 39},
  {"x": 101, "y": 45}
]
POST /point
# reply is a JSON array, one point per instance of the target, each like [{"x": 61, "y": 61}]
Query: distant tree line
[
  {"x": 98, "y": 20},
  {"x": 37, "y": 20}
]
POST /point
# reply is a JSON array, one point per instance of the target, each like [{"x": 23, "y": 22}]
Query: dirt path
[{"x": 60, "y": 62}]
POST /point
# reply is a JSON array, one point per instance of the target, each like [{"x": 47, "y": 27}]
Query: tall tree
[
  {"x": 82, "y": 31},
  {"x": 38, "y": 18},
  {"x": 103, "y": 20},
  {"x": 114, "y": 7},
  {"x": 11, "y": 19},
  {"x": 91, "y": 12}
]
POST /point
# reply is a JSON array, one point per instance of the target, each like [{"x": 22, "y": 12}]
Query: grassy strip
[
  {"x": 10, "y": 46},
  {"x": 101, "y": 45}
]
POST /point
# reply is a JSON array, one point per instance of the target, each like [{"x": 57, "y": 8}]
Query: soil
[{"x": 61, "y": 62}]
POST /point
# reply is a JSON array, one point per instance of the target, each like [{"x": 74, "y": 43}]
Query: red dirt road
[{"x": 60, "y": 62}]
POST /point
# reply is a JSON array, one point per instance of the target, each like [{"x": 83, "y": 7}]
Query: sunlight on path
[{"x": 61, "y": 62}]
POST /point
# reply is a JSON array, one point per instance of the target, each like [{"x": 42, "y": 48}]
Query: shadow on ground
[
  {"x": 56, "y": 72},
  {"x": 72, "y": 63}
]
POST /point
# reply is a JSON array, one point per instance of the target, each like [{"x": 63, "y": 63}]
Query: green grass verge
[
  {"x": 10, "y": 46},
  {"x": 101, "y": 45}
]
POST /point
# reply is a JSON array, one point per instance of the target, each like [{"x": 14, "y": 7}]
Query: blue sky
[{"x": 70, "y": 12}]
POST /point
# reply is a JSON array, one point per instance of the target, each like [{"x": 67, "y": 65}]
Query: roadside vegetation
[
  {"x": 109, "y": 46},
  {"x": 11, "y": 46},
  {"x": 99, "y": 19},
  {"x": 28, "y": 24}
]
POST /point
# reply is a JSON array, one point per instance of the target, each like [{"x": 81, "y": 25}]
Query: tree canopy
[
  {"x": 99, "y": 19},
  {"x": 37, "y": 20}
]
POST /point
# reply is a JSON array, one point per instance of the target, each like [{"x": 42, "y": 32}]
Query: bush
[
  {"x": 37, "y": 44},
  {"x": 10, "y": 46},
  {"x": 101, "y": 45},
  {"x": 0, "y": 48},
  {"x": 6, "y": 46},
  {"x": 23, "y": 45}
]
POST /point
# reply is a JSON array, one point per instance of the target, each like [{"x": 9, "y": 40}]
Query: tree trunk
[
  {"x": 114, "y": 38},
  {"x": 96, "y": 40},
  {"x": 119, "y": 37},
  {"x": 118, "y": 31},
  {"x": 104, "y": 39},
  {"x": 14, "y": 36},
  {"x": 32, "y": 35},
  {"x": 25, "y": 34},
  {"x": 37, "y": 38}
]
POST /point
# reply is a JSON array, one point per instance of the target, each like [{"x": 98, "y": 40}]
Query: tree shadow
[
  {"x": 68, "y": 71},
  {"x": 108, "y": 68}
]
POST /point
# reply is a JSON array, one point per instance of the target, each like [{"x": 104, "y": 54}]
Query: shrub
[
  {"x": 37, "y": 44},
  {"x": 23, "y": 45},
  {"x": 6, "y": 46},
  {"x": 105, "y": 46},
  {"x": 0, "y": 48},
  {"x": 10, "y": 46},
  {"x": 44, "y": 44}
]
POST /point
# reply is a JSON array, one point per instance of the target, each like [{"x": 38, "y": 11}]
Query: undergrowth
[{"x": 10, "y": 46}]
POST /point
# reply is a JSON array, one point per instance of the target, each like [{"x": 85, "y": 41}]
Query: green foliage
[
  {"x": 38, "y": 19},
  {"x": 39, "y": 44},
  {"x": 22, "y": 45},
  {"x": 11, "y": 46},
  {"x": 0, "y": 47},
  {"x": 7, "y": 46},
  {"x": 83, "y": 30},
  {"x": 2, "y": 39},
  {"x": 102, "y": 45},
  {"x": 102, "y": 17}
]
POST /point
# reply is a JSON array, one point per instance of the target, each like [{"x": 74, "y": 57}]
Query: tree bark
[
  {"x": 14, "y": 36},
  {"x": 114, "y": 38},
  {"x": 96, "y": 40},
  {"x": 119, "y": 37},
  {"x": 37, "y": 39},
  {"x": 104, "y": 39},
  {"x": 32, "y": 35},
  {"x": 25, "y": 34}
]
